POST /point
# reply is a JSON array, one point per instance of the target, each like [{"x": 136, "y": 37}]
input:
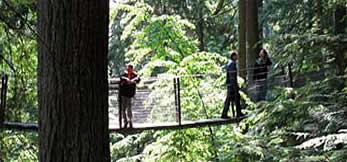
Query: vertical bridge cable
[
  {"x": 176, "y": 97},
  {"x": 207, "y": 116},
  {"x": 179, "y": 101}
]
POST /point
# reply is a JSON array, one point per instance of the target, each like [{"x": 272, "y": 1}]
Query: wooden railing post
[{"x": 176, "y": 98}]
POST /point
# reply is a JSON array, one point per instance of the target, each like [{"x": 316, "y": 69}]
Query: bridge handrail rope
[
  {"x": 270, "y": 76},
  {"x": 171, "y": 76},
  {"x": 198, "y": 75}
]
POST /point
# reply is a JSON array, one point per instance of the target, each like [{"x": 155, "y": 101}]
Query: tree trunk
[
  {"x": 72, "y": 80},
  {"x": 318, "y": 12},
  {"x": 266, "y": 27},
  {"x": 201, "y": 35},
  {"x": 261, "y": 24},
  {"x": 340, "y": 26},
  {"x": 318, "y": 8},
  {"x": 200, "y": 29},
  {"x": 156, "y": 9},
  {"x": 242, "y": 38},
  {"x": 252, "y": 36}
]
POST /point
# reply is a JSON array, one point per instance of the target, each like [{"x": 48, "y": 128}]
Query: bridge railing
[
  {"x": 171, "y": 100},
  {"x": 177, "y": 99}
]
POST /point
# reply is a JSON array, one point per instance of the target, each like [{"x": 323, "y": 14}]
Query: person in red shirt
[{"x": 127, "y": 90}]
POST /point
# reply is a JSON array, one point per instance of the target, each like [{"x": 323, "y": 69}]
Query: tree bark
[
  {"x": 242, "y": 38},
  {"x": 319, "y": 15},
  {"x": 201, "y": 35},
  {"x": 72, "y": 80},
  {"x": 200, "y": 29},
  {"x": 252, "y": 36},
  {"x": 261, "y": 24}
]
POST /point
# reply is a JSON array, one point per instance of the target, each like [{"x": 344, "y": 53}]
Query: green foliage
[
  {"x": 123, "y": 147},
  {"x": 184, "y": 145},
  {"x": 303, "y": 33},
  {"x": 18, "y": 60},
  {"x": 317, "y": 109},
  {"x": 163, "y": 39},
  {"x": 276, "y": 129},
  {"x": 18, "y": 146},
  {"x": 160, "y": 45},
  {"x": 129, "y": 19},
  {"x": 126, "y": 20}
]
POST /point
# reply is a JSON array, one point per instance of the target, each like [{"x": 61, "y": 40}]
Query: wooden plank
[
  {"x": 184, "y": 125},
  {"x": 20, "y": 126}
]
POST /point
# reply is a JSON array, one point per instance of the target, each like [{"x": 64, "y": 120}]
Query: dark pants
[
  {"x": 232, "y": 95},
  {"x": 126, "y": 110}
]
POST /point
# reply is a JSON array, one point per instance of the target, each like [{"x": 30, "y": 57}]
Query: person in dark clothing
[
  {"x": 127, "y": 90},
  {"x": 260, "y": 74},
  {"x": 232, "y": 88}
]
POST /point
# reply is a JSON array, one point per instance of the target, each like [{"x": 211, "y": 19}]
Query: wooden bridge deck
[
  {"x": 141, "y": 116},
  {"x": 138, "y": 126}
]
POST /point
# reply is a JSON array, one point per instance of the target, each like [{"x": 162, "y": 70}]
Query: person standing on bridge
[
  {"x": 127, "y": 90},
  {"x": 260, "y": 74},
  {"x": 232, "y": 88}
]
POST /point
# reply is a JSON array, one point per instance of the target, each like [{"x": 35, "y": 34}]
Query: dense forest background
[{"x": 302, "y": 122}]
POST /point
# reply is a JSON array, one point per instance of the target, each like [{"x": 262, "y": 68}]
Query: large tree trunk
[
  {"x": 72, "y": 80},
  {"x": 261, "y": 24},
  {"x": 242, "y": 38},
  {"x": 252, "y": 37},
  {"x": 340, "y": 51},
  {"x": 200, "y": 29},
  {"x": 318, "y": 8},
  {"x": 318, "y": 14}
]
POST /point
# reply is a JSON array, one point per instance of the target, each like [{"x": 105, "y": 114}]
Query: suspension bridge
[{"x": 165, "y": 102}]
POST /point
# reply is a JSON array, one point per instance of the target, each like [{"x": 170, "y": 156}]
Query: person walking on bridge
[
  {"x": 127, "y": 90},
  {"x": 232, "y": 88},
  {"x": 260, "y": 74}
]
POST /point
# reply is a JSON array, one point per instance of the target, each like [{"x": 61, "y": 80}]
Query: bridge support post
[{"x": 178, "y": 100}]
